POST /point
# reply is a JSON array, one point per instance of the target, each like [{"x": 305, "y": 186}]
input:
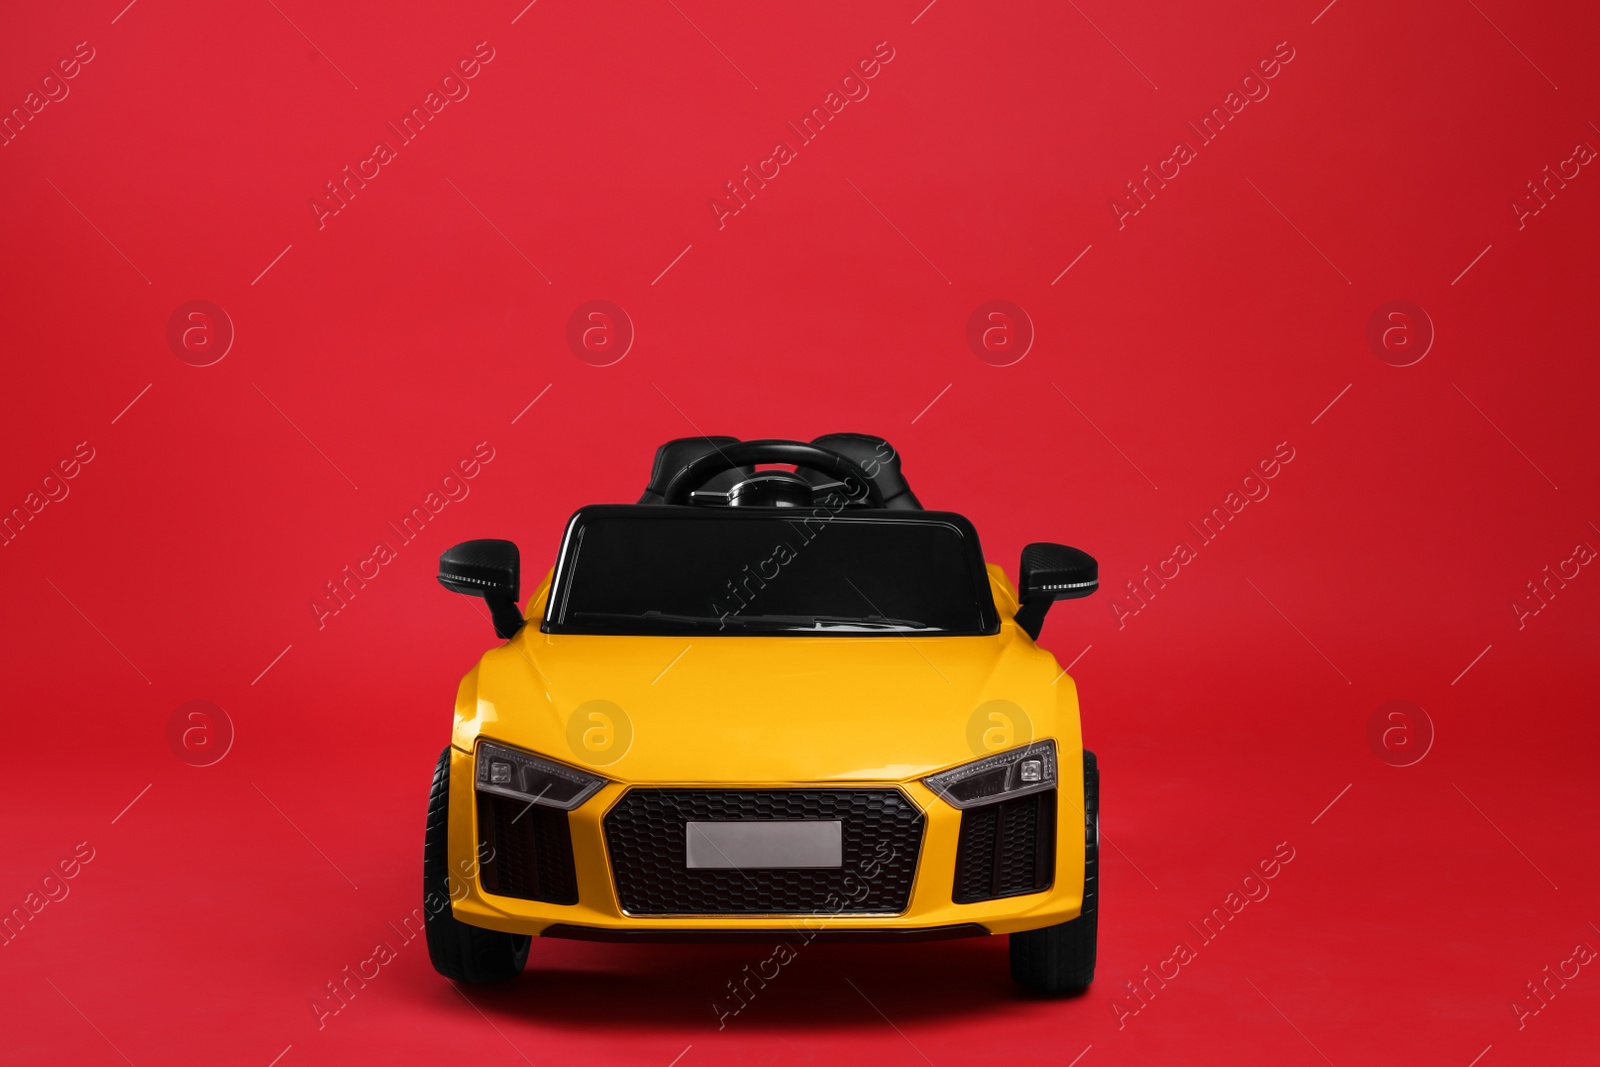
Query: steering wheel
[{"x": 749, "y": 453}]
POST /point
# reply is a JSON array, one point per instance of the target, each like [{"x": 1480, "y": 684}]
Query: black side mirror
[
  {"x": 490, "y": 569},
  {"x": 1050, "y": 573}
]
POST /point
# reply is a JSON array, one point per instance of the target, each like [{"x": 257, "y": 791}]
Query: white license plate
[{"x": 764, "y": 843}]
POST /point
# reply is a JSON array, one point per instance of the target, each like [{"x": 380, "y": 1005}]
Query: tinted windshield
[{"x": 660, "y": 570}]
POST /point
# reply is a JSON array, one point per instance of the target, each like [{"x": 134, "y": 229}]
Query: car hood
[{"x": 762, "y": 710}]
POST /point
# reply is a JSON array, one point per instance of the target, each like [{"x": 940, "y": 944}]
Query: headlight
[
  {"x": 1030, "y": 769},
  {"x": 516, "y": 774}
]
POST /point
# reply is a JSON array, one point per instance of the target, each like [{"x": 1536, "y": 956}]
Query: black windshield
[{"x": 631, "y": 569}]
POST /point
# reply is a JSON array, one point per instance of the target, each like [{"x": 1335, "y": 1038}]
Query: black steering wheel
[{"x": 749, "y": 453}]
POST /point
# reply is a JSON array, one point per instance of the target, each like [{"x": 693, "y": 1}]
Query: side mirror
[
  {"x": 1050, "y": 573},
  {"x": 490, "y": 569}
]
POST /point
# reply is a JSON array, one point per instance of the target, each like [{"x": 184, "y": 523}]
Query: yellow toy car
[{"x": 768, "y": 704}]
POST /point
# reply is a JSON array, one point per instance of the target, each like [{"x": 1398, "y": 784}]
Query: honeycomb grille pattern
[
  {"x": 526, "y": 850},
  {"x": 881, "y": 836},
  {"x": 1006, "y": 849}
]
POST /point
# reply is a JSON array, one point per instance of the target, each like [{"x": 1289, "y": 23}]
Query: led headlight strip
[
  {"x": 524, "y": 776},
  {"x": 1030, "y": 769}
]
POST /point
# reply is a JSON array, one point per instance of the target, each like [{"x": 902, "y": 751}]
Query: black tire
[
  {"x": 459, "y": 951},
  {"x": 1059, "y": 960}
]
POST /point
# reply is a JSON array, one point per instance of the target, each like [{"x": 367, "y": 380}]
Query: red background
[{"x": 1222, "y": 319}]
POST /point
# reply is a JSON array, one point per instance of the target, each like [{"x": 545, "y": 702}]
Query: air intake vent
[
  {"x": 528, "y": 849},
  {"x": 1006, "y": 849}
]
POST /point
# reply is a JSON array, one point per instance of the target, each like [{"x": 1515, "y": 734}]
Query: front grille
[
  {"x": 1006, "y": 849},
  {"x": 881, "y": 836},
  {"x": 525, "y": 850}
]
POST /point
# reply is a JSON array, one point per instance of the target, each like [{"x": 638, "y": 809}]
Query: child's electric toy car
[{"x": 771, "y": 704}]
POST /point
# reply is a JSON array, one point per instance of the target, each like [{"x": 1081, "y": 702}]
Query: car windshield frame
[{"x": 562, "y": 618}]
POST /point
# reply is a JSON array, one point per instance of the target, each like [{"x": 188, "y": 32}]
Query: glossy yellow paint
[{"x": 769, "y": 711}]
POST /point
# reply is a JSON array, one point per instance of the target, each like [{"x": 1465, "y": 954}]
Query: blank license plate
[{"x": 764, "y": 843}]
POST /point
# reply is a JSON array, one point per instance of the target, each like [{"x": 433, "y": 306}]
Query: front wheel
[
  {"x": 1059, "y": 959},
  {"x": 458, "y": 950}
]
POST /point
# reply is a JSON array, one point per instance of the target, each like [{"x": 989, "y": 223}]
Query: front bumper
[{"x": 597, "y": 915}]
